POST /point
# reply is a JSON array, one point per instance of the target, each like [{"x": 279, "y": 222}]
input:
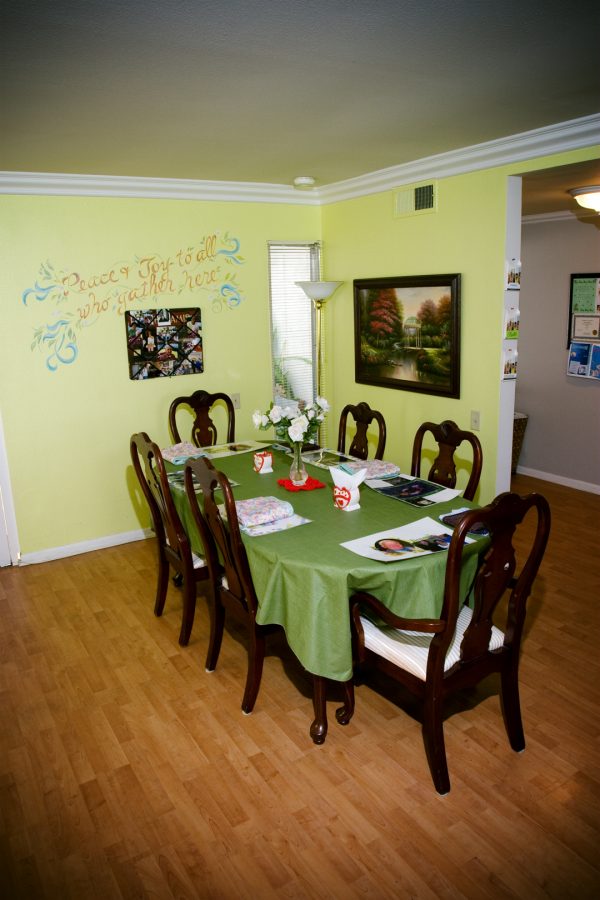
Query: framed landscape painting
[{"x": 407, "y": 333}]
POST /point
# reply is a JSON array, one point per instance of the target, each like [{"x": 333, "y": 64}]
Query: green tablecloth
[{"x": 304, "y": 579}]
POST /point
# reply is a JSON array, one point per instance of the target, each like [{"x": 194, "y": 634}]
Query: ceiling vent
[{"x": 416, "y": 199}]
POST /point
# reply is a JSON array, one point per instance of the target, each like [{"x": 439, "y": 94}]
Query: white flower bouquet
[{"x": 293, "y": 423}]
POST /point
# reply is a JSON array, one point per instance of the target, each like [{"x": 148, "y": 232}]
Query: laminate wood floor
[{"x": 127, "y": 771}]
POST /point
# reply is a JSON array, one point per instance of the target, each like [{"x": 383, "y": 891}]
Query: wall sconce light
[{"x": 588, "y": 197}]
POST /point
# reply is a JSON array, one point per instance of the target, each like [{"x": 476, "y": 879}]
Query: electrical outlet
[
  {"x": 235, "y": 399},
  {"x": 474, "y": 420}
]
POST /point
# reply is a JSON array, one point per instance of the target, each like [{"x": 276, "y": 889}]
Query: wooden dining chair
[
  {"x": 363, "y": 415},
  {"x": 443, "y": 471},
  {"x": 433, "y": 658},
  {"x": 204, "y": 431},
  {"x": 231, "y": 586},
  {"x": 171, "y": 540}
]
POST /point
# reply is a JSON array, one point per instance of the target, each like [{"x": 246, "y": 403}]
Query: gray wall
[{"x": 562, "y": 440}]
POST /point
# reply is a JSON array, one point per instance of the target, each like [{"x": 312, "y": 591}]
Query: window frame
[{"x": 284, "y": 293}]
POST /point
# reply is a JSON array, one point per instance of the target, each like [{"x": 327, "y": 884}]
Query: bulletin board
[
  {"x": 164, "y": 342},
  {"x": 583, "y": 339}
]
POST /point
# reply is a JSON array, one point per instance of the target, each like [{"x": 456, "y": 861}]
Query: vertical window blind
[{"x": 292, "y": 320}]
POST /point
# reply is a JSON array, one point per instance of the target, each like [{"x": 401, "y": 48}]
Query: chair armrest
[{"x": 430, "y": 626}]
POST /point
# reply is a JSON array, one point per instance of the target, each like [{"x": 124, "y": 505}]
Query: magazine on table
[
  {"x": 455, "y": 515},
  {"x": 419, "y": 538},
  {"x": 415, "y": 491},
  {"x": 177, "y": 480},
  {"x": 325, "y": 458}
]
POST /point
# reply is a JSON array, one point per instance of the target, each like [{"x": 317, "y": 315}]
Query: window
[{"x": 292, "y": 320}]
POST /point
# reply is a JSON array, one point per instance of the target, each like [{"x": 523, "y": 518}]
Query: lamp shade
[
  {"x": 588, "y": 197},
  {"x": 318, "y": 290}
]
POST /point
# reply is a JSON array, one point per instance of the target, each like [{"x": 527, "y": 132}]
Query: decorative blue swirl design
[
  {"x": 64, "y": 351},
  {"x": 230, "y": 295},
  {"x": 39, "y": 292},
  {"x": 232, "y": 253}
]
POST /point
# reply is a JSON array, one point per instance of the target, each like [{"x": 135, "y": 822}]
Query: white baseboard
[
  {"x": 560, "y": 479},
  {"x": 112, "y": 540}
]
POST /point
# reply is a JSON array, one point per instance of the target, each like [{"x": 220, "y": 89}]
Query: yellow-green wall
[
  {"x": 466, "y": 235},
  {"x": 67, "y": 432}
]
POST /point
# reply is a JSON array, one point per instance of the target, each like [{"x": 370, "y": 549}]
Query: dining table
[{"x": 304, "y": 578}]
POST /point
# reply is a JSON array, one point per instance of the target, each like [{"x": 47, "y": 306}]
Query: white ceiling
[{"x": 265, "y": 90}]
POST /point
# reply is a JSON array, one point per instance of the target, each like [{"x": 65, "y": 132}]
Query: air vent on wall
[{"x": 416, "y": 199}]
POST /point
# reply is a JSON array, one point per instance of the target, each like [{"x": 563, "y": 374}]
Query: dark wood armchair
[
  {"x": 435, "y": 657},
  {"x": 204, "y": 431},
  {"x": 443, "y": 471},
  {"x": 171, "y": 540},
  {"x": 363, "y": 415}
]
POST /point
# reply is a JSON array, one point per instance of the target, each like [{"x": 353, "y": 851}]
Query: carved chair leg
[
  {"x": 256, "y": 656},
  {"x": 511, "y": 706},
  {"x": 435, "y": 748},
  {"x": 189, "y": 609},
  {"x": 318, "y": 729},
  {"x": 162, "y": 585},
  {"x": 344, "y": 713},
  {"x": 217, "y": 622}
]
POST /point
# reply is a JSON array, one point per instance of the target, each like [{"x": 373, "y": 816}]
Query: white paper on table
[
  {"x": 234, "y": 448},
  {"x": 406, "y": 535}
]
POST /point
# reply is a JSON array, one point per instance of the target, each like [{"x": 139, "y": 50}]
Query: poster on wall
[
  {"x": 579, "y": 359},
  {"x": 164, "y": 342}
]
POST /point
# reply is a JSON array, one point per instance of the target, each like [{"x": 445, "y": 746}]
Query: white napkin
[
  {"x": 180, "y": 453},
  {"x": 346, "y": 494}
]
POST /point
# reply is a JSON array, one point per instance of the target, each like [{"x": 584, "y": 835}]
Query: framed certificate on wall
[{"x": 584, "y": 307}]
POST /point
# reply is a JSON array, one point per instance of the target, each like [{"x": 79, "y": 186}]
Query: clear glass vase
[{"x": 298, "y": 473}]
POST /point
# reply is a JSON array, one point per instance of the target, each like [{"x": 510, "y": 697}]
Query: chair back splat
[
  {"x": 172, "y": 542},
  {"x": 363, "y": 415},
  {"x": 233, "y": 588},
  {"x": 204, "y": 431},
  {"x": 435, "y": 657},
  {"x": 443, "y": 471}
]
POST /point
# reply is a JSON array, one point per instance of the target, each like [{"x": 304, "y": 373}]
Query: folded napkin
[
  {"x": 310, "y": 484},
  {"x": 375, "y": 468},
  {"x": 179, "y": 453},
  {"x": 346, "y": 494},
  {"x": 260, "y": 510}
]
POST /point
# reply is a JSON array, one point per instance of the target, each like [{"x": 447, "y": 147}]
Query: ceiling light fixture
[
  {"x": 588, "y": 197},
  {"x": 304, "y": 182}
]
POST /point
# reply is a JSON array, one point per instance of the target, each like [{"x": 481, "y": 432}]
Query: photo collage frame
[{"x": 164, "y": 342}]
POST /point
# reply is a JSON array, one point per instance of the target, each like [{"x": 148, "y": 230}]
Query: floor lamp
[{"x": 319, "y": 292}]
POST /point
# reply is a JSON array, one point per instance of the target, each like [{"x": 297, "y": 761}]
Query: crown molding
[
  {"x": 43, "y": 183},
  {"x": 564, "y": 215},
  {"x": 572, "y": 135}
]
